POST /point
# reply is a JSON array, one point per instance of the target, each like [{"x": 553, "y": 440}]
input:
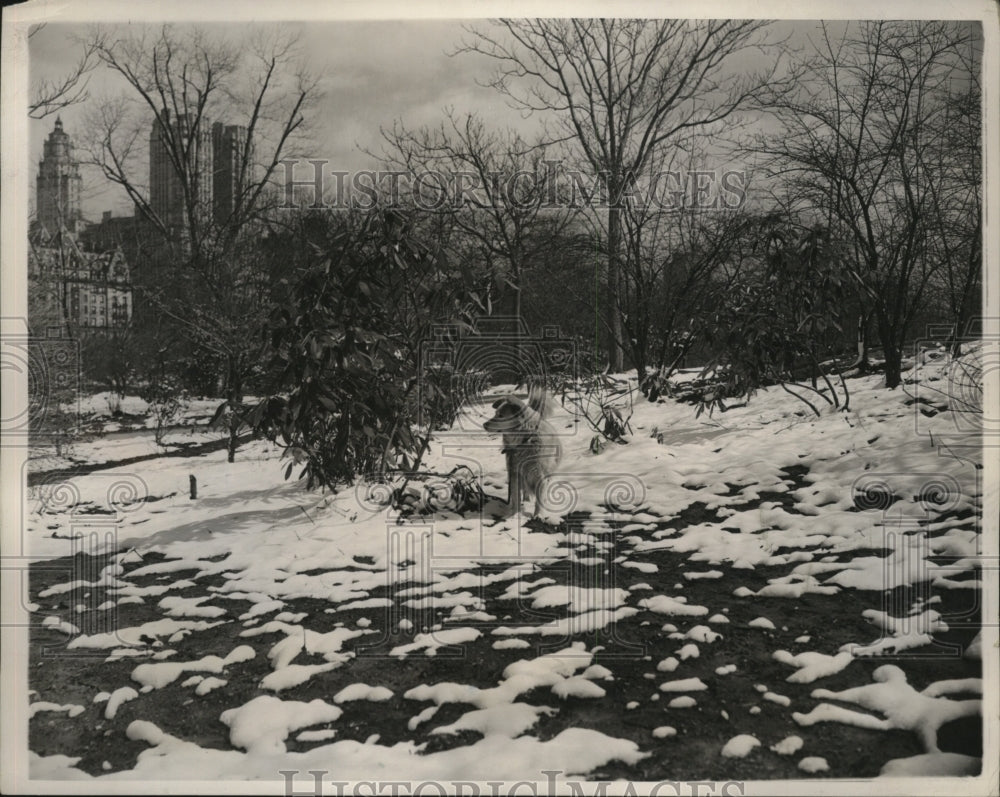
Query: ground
[{"x": 764, "y": 594}]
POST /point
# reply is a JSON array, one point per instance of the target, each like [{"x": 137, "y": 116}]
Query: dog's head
[{"x": 511, "y": 414}]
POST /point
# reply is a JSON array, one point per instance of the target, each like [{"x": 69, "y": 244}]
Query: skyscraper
[
  {"x": 212, "y": 168},
  {"x": 168, "y": 138},
  {"x": 57, "y": 189},
  {"x": 228, "y": 145}
]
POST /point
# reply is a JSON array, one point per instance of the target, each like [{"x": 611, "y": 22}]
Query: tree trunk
[
  {"x": 235, "y": 398},
  {"x": 893, "y": 366},
  {"x": 518, "y": 343},
  {"x": 861, "y": 363},
  {"x": 891, "y": 351},
  {"x": 616, "y": 354}
]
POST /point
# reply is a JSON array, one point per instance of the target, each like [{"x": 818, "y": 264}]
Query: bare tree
[
  {"x": 855, "y": 146},
  {"x": 179, "y": 80},
  {"x": 956, "y": 218},
  {"x": 500, "y": 192},
  {"x": 228, "y": 324},
  {"x": 678, "y": 254},
  {"x": 620, "y": 90},
  {"x": 50, "y": 96}
]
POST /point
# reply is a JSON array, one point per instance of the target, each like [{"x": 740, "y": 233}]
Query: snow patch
[{"x": 740, "y": 746}]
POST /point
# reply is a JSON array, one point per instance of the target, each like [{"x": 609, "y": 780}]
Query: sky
[{"x": 371, "y": 74}]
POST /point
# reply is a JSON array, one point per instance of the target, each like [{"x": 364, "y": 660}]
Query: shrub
[{"x": 345, "y": 346}]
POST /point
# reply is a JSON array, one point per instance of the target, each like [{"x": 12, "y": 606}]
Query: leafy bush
[
  {"x": 345, "y": 346},
  {"x": 772, "y": 328}
]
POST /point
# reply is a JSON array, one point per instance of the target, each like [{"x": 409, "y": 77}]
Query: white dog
[{"x": 530, "y": 445}]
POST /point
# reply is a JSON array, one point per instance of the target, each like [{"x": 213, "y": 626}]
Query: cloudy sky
[{"x": 371, "y": 73}]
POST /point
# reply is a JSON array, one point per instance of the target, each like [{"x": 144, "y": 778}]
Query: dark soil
[{"x": 631, "y": 650}]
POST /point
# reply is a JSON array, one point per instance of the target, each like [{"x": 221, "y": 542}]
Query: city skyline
[
  {"x": 219, "y": 158},
  {"x": 413, "y": 79}
]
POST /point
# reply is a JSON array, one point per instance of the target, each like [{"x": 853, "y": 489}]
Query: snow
[
  {"x": 263, "y": 724},
  {"x": 577, "y": 686},
  {"x": 740, "y": 746},
  {"x": 954, "y": 686},
  {"x": 422, "y": 717},
  {"x": 159, "y": 675},
  {"x": 595, "y": 671},
  {"x": 376, "y": 694},
  {"x": 689, "y": 651},
  {"x": 431, "y": 643},
  {"x": 206, "y": 685},
  {"x": 642, "y": 567},
  {"x": 70, "y": 709},
  {"x": 813, "y": 764},
  {"x": 932, "y": 764},
  {"x": 664, "y": 604},
  {"x": 507, "y": 721},
  {"x": 61, "y": 626},
  {"x": 256, "y": 550},
  {"x": 316, "y": 736},
  {"x": 133, "y": 635},
  {"x": 683, "y": 685},
  {"x": 511, "y": 644},
  {"x": 702, "y": 633},
  {"x": 116, "y": 698},
  {"x": 905, "y": 632},
  {"x": 788, "y": 746},
  {"x": 812, "y": 665},
  {"x": 292, "y": 675},
  {"x": 495, "y": 757},
  {"x": 576, "y": 624},
  {"x": 902, "y": 706},
  {"x": 693, "y": 575},
  {"x": 190, "y": 607}
]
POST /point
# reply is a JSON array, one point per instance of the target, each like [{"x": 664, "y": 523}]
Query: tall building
[
  {"x": 213, "y": 168},
  {"x": 81, "y": 285},
  {"x": 166, "y": 192},
  {"x": 58, "y": 186},
  {"x": 228, "y": 146}
]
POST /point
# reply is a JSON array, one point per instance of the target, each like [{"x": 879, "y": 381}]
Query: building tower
[
  {"x": 58, "y": 187},
  {"x": 228, "y": 145},
  {"x": 166, "y": 188}
]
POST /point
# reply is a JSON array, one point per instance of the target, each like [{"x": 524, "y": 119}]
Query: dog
[{"x": 530, "y": 445}]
